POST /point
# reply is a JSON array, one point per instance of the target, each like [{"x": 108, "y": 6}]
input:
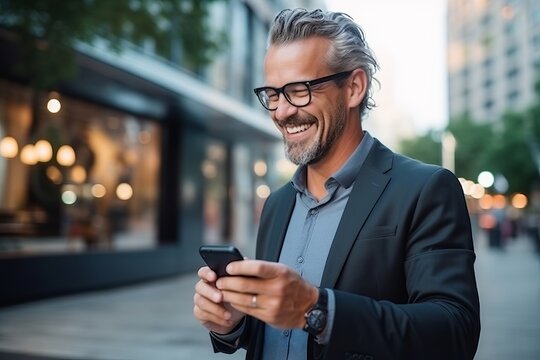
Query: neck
[{"x": 319, "y": 172}]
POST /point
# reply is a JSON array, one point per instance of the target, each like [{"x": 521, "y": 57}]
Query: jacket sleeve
[{"x": 440, "y": 319}]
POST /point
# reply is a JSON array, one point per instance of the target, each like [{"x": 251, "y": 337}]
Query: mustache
[{"x": 297, "y": 120}]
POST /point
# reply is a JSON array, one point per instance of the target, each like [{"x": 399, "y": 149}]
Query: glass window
[
  {"x": 73, "y": 175},
  {"x": 204, "y": 190}
]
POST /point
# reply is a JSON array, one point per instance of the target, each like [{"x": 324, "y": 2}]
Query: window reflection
[{"x": 78, "y": 178}]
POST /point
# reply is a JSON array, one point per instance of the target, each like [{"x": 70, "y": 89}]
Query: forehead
[{"x": 296, "y": 61}]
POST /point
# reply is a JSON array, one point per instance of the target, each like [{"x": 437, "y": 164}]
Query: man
[{"x": 366, "y": 254}]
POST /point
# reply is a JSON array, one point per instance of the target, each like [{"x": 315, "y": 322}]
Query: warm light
[
  {"x": 477, "y": 191},
  {"x": 486, "y": 202},
  {"x": 9, "y": 147},
  {"x": 124, "y": 191},
  {"x": 28, "y": 155},
  {"x": 519, "y": 201},
  {"x": 54, "y": 105},
  {"x": 263, "y": 191},
  {"x": 98, "y": 190},
  {"x": 43, "y": 150},
  {"x": 78, "y": 174},
  {"x": 209, "y": 169},
  {"x": 69, "y": 197},
  {"x": 54, "y": 174},
  {"x": 486, "y": 179},
  {"x": 499, "y": 201},
  {"x": 260, "y": 168},
  {"x": 65, "y": 155},
  {"x": 216, "y": 152},
  {"x": 467, "y": 186}
]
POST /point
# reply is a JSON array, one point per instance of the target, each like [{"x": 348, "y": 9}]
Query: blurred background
[{"x": 130, "y": 135}]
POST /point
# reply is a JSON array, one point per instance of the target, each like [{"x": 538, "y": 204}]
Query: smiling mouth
[{"x": 297, "y": 129}]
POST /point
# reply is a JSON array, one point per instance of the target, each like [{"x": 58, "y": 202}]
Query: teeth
[{"x": 297, "y": 129}]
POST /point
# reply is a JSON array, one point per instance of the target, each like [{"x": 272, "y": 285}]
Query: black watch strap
[{"x": 316, "y": 317}]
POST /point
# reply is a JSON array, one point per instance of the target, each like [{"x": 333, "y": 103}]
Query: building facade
[
  {"x": 493, "y": 56},
  {"x": 121, "y": 173}
]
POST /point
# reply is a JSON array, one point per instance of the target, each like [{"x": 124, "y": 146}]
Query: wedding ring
[{"x": 254, "y": 301}]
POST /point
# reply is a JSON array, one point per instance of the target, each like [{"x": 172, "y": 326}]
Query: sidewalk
[
  {"x": 147, "y": 321},
  {"x": 155, "y": 321}
]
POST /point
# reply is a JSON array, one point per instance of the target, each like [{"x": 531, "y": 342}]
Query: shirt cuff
[
  {"x": 232, "y": 337},
  {"x": 324, "y": 337}
]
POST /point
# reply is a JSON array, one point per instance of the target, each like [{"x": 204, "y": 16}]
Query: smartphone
[{"x": 217, "y": 257}]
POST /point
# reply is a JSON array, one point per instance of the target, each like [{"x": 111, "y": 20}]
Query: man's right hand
[{"x": 209, "y": 307}]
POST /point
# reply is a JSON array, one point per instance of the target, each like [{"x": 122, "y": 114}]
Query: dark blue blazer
[{"x": 401, "y": 265}]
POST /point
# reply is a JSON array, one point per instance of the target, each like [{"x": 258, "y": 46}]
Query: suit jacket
[{"x": 401, "y": 266}]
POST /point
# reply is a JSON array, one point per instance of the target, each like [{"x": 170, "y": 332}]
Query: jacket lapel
[
  {"x": 367, "y": 188},
  {"x": 282, "y": 215}
]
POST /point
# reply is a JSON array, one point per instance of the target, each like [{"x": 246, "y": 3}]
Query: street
[{"x": 154, "y": 320}]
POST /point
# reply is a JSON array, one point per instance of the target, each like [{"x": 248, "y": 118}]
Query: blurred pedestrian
[{"x": 366, "y": 254}]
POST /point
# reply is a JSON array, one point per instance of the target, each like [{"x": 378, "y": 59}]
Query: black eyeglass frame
[{"x": 308, "y": 85}]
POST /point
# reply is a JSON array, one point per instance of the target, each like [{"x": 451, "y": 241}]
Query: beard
[{"x": 306, "y": 152}]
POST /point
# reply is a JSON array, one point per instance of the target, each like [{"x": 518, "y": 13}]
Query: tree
[
  {"x": 426, "y": 148},
  {"x": 509, "y": 146},
  {"x": 510, "y": 153},
  {"x": 46, "y": 30},
  {"x": 473, "y": 139}
]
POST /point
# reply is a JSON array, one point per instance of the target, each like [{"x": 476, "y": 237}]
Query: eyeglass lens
[{"x": 298, "y": 94}]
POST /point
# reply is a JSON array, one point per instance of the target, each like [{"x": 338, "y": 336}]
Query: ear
[{"x": 357, "y": 88}]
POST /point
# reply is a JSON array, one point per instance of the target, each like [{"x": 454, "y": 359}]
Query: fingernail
[
  {"x": 227, "y": 315},
  {"x": 218, "y": 284}
]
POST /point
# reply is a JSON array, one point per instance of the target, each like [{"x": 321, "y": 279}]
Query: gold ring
[{"x": 254, "y": 301}]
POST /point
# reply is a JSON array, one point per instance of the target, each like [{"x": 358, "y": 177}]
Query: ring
[{"x": 254, "y": 301}]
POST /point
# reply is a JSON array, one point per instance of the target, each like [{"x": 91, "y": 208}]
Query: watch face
[{"x": 317, "y": 320}]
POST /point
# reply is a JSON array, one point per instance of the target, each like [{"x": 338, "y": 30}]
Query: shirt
[{"x": 307, "y": 243}]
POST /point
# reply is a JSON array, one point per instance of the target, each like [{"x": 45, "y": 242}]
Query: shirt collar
[{"x": 346, "y": 174}]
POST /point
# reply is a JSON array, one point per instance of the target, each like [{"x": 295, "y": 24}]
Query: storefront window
[{"x": 74, "y": 176}]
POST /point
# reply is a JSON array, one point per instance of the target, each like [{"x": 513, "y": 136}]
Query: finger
[
  {"x": 244, "y": 301},
  {"x": 208, "y": 291},
  {"x": 211, "y": 320},
  {"x": 257, "y": 268},
  {"x": 208, "y": 312},
  {"x": 207, "y": 274}
]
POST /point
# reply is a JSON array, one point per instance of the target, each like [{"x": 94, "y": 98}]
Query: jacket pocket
[{"x": 376, "y": 232}]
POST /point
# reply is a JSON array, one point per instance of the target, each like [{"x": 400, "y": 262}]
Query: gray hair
[{"x": 349, "y": 49}]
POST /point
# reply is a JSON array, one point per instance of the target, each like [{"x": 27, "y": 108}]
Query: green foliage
[
  {"x": 510, "y": 153},
  {"x": 47, "y": 29},
  {"x": 509, "y": 146},
  {"x": 426, "y": 148},
  {"x": 473, "y": 139}
]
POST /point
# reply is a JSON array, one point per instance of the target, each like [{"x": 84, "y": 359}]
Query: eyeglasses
[{"x": 297, "y": 93}]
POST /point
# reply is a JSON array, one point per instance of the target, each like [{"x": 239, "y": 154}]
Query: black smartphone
[{"x": 217, "y": 257}]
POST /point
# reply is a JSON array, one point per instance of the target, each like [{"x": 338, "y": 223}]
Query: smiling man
[{"x": 365, "y": 254}]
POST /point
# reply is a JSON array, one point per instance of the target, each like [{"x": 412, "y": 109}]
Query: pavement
[{"x": 154, "y": 320}]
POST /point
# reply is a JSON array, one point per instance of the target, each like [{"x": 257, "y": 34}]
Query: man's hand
[
  {"x": 209, "y": 306},
  {"x": 268, "y": 291}
]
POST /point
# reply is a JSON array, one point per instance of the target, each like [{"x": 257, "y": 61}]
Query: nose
[{"x": 284, "y": 109}]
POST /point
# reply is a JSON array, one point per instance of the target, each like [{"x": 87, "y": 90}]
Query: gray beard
[{"x": 300, "y": 154}]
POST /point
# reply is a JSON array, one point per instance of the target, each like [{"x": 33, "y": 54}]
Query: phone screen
[{"x": 217, "y": 257}]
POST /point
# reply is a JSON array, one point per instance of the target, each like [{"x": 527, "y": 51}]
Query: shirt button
[
  {"x": 286, "y": 333},
  {"x": 300, "y": 259}
]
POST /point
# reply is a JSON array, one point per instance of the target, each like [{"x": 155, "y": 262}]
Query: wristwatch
[{"x": 316, "y": 317}]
